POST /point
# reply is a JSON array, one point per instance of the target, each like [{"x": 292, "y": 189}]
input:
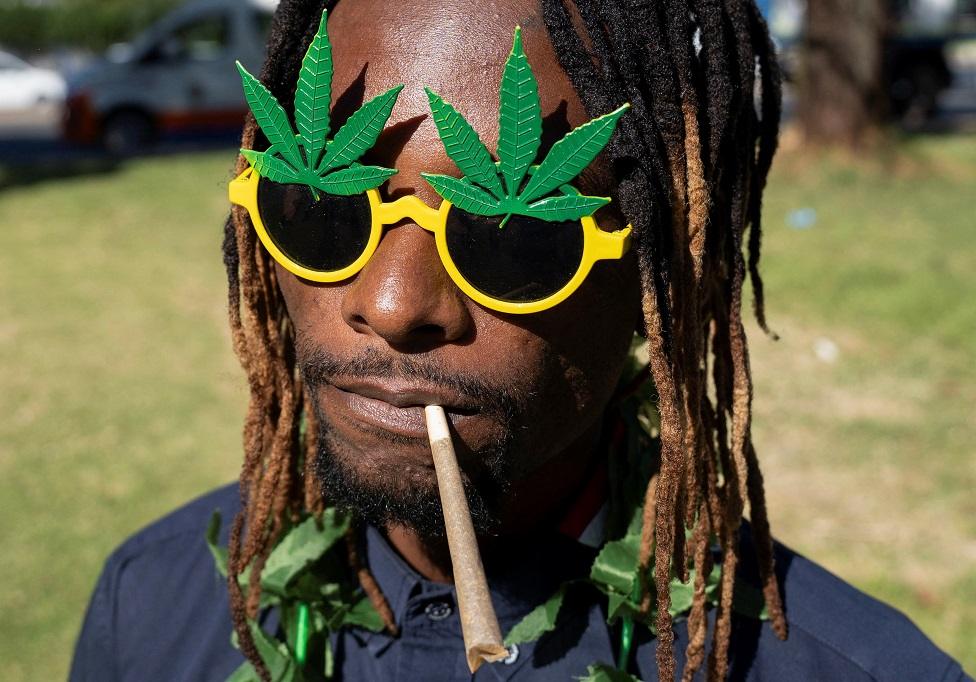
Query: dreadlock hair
[{"x": 691, "y": 162}]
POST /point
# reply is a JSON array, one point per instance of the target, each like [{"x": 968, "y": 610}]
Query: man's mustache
[{"x": 319, "y": 367}]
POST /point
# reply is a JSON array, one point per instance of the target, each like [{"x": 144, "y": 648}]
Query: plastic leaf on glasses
[
  {"x": 572, "y": 154},
  {"x": 464, "y": 146},
  {"x": 500, "y": 189},
  {"x": 360, "y": 132},
  {"x": 466, "y": 196},
  {"x": 307, "y": 157},
  {"x": 313, "y": 95},
  {"x": 519, "y": 117},
  {"x": 355, "y": 180},
  {"x": 558, "y": 209},
  {"x": 271, "y": 167}
]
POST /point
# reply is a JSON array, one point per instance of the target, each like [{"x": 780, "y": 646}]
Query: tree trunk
[{"x": 841, "y": 99}]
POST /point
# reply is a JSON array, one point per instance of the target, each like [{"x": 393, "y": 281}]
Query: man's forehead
[{"x": 457, "y": 49}]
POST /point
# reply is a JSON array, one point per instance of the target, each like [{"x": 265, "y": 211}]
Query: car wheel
[{"x": 126, "y": 133}]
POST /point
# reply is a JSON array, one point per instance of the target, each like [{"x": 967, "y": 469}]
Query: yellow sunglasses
[{"x": 528, "y": 266}]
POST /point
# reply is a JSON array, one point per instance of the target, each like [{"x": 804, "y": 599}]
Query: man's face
[{"x": 522, "y": 392}]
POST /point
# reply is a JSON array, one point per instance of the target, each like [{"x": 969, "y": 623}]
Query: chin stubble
[{"x": 390, "y": 497}]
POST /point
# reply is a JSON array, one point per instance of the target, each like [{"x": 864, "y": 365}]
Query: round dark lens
[
  {"x": 527, "y": 260},
  {"x": 324, "y": 235}
]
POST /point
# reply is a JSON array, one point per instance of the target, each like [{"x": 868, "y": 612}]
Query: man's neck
[{"x": 533, "y": 503}]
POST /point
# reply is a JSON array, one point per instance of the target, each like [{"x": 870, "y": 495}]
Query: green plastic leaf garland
[
  {"x": 538, "y": 621},
  {"x": 491, "y": 189},
  {"x": 308, "y": 157},
  {"x": 308, "y": 580},
  {"x": 303, "y": 545}
]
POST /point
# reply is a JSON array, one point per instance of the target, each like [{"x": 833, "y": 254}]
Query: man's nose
[{"x": 405, "y": 296}]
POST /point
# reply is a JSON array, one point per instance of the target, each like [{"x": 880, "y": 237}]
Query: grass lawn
[
  {"x": 866, "y": 407},
  {"x": 122, "y": 398}
]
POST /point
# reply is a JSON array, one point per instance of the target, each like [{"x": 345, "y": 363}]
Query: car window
[{"x": 203, "y": 39}]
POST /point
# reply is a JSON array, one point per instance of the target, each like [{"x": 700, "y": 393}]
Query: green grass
[
  {"x": 121, "y": 395},
  {"x": 869, "y": 450},
  {"x": 122, "y": 398}
]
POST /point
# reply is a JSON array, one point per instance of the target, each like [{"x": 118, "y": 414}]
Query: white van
[{"x": 175, "y": 77}]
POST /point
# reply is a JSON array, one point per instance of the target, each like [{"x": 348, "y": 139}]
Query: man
[{"x": 582, "y": 506}]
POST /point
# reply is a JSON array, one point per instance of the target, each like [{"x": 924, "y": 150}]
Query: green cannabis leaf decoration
[
  {"x": 500, "y": 189},
  {"x": 271, "y": 167},
  {"x": 360, "y": 131},
  {"x": 564, "y": 208},
  {"x": 307, "y": 570},
  {"x": 355, "y": 180},
  {"x": 540, "y": 620},
  {"x": 572, "y": 154},
  {"x": 464, "y": 146},
  {"x": 520, "y": 117},
  {"x": 307, "y": 157},
  {"x": 314, "y": 94},
  {"x": 465, "y": 195}
]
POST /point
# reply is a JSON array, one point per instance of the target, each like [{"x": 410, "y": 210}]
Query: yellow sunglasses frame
[{"x": 597, "y": 244}]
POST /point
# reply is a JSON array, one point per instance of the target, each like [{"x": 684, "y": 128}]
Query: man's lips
[{"x": 395, "y": 407}]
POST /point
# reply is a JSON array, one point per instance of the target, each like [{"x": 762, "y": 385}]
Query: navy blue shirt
[{"x": 160, "y": 612}]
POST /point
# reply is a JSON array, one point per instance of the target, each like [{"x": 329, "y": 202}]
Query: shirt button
[
  {"x": 513, "y": 653},
  {"x": 438, "y": 610}
]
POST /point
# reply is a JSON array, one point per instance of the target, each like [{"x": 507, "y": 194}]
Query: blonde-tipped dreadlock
[{"x": 691, "y": 163}]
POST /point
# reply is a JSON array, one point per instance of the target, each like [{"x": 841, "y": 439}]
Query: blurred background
[{"x": 122, "y": 399}]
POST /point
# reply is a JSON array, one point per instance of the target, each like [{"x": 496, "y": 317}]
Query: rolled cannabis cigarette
[{"x": 479, "y": 624}]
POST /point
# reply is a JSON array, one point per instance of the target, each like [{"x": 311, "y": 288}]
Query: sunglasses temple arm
[
  {"x": 239, "y": 188},
  {"x": 612, "y": 245}
]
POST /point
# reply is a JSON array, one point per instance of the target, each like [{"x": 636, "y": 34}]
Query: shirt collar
[{"x": 519, "y": 581}]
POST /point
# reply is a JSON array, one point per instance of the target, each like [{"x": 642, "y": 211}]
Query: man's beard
[{"x": 384, "y": 499}]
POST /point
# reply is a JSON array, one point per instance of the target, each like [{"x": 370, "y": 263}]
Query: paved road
[{"x": 32, "y": 138}]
